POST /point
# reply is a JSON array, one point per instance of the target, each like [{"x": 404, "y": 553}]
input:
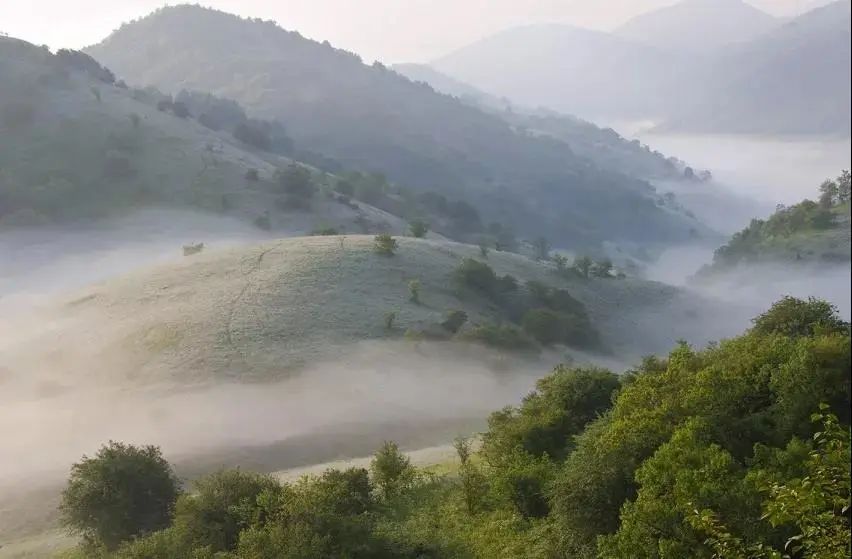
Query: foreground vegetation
[{"x": 737, "y": 450}]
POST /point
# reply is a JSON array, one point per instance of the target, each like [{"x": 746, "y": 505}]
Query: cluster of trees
[
  {"x": 547, "y": 315},
  {"x": 762, "y": 237},
  {"x": 835, "y": 192},
  {"x": 738, "y": 450}
]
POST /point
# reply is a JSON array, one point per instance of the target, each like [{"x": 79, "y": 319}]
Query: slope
[
  {"x": 77, "y": 145},
  {"x": 372, "y": 119},
  {"x": 605, "y": 148},
  {"x": 268, "y": 311},
  {"x": 701, "y": 26}
]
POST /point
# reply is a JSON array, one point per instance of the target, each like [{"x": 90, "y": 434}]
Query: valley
[{"x": 260, "y": 299}]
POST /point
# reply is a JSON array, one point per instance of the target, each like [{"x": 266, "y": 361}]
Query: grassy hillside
[
  {"x": 265, "y": 312},
  {"x": 370, "y": 118},
  {"x": 77, "y": 145}
]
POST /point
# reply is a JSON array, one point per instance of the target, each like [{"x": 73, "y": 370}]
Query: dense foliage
[
  {"x": 804, "y": 231},
  {"x": 738, "y": 450}
]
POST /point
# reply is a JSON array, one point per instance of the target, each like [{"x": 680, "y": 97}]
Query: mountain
[
  {"x": 792, "y": 79},
  {"x": 721, "y": 23},
  {"x": 567, "y": 69},
  {"x": 370, "y": 118},
  {"x": 602, "y": 146}
]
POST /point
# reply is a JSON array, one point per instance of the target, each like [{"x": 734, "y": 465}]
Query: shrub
[
  {"x": 419, "y": 229},
  {"x": 583, "y": 265},
  {"x": 483, "y": 250},
  {"x": 252, "y": 175},
  {"x": 500, "y": 336},
  {"x": 561, "y": 263},
  {"x": 180, "y": 110},
  {"x": 414, "y": 291},
  {"x": 263, "y": 222},
  {"x": 345, "y": 188},
  {"x": 253, "y": 134},
  {"x": 295, "y": 181},
  {"x": 325, "y": 232},
  {"x": 544, "y": 325},
  {"x": 385, "y": 245},
  {"x": 602, "y": 268},
  {"x": 454, "y": 321},
  {"x": 122, "y": 492},
  {"x": 389, "y": 320},
  {"x": 477, "y": 275}
]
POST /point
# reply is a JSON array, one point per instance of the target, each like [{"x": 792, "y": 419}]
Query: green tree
[
  {"x": 844, "y": 183},
  {"x": 602, "y": 268},
  {"x": 544, "y": 325},
  {"x": 392, "y": 470},
  {"x": 295, "y": 180},
  {"x": 418, "y": 228},
  {"x": 220, "y": 506},
  {"x": 795, "y": 317},
  {"x": 122, "y": 492},
  {"x": 385, "y": 245}
]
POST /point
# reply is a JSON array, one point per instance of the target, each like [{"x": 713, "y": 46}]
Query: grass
[{"x": 262, "y": 312}]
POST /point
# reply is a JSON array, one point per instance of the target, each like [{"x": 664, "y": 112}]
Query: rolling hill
[
  {"x": 370, "y": 118},
  {"x": 266, "y": 312}
]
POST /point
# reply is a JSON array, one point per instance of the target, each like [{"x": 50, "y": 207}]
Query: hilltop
[
  {"x": 369, "y": 118},
  {"x": 265, "y": 312}
]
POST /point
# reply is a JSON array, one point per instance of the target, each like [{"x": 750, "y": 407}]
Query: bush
[
  {"x": 414, "y": 291},
  {"x": 253, "y": 134},
  {"x": 252, "y": 175},
  {"x": 384, "y": 244},
  {"x": 325, "y": 232},
  {"x": 500, "y": 336},
  {"x": 180, "y": 110},
  {"x": 121, "y": 493},
  {"x": 295, "y": 181},
  {"x": 454, "y": 321},
  {"x": 263, "y": 222},
  {"x": 544, "y": 325},
  {"x": 419, "y": 229},
  {"x": 390, "y": 318},
  {"x": 477, "y": 275}
]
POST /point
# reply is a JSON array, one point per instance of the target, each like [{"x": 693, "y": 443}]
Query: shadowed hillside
[{"x": 372, "y": 119}]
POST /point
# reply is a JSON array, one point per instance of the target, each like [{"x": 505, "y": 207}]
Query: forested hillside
[
  {"x": 369, "y": 118},
  {"x": 808, "y": 232},
  {"x": 741, "y": 449}
]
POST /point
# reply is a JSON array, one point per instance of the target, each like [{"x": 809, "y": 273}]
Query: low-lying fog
[{"x": 381, "y": 389}]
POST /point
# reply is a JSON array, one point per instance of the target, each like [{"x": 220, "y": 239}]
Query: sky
[{"x": 387, "y": 30}]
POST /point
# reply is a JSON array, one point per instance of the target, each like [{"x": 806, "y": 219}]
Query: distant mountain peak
[{"x": 699, "y": 25}]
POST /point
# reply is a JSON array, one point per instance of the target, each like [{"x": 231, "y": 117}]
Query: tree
[
  {"x": 392, "y": 470},
  {"x": 602, "y": 268},
  {"x": 414, "y": 291},
  {"x": 180, "y": 110},
  {"x": 541, "y": 246},
  {"x": 419, "y": 228},
  {"x": 253, "y": 134},
  {"x": 389, "y": 320},
  {"x": 561, "y": 263},
  {"x": 829, "y": 191},
  {"x": 794, "y": 317},
  {"x": 295, "y": 181},
  {"x": 384, "y": 244},
  {"x": 583, "y": 265},
  {"x": 454, "y": 321},
  {"x": 544, "y": 325},
  {"x": 843, "y": 187},
  {"x": 122, "y": 492}
]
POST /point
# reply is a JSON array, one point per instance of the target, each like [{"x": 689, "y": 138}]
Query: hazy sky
[{"x": 389, "y": 30}]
